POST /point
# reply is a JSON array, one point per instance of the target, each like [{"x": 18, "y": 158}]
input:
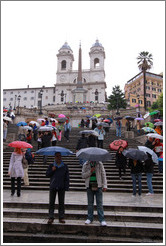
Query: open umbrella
[
  {"x": 160, "y": 157},
  {"x": 97, "y": 115},
  {"x": 157, "y": 120},
  {"x": 7, "y": 118},
  {"x": 22, "y": 123},
  {"x": 20, "y": 144},
  {"x": 111, "y": 120},
  {"x": 139, "y": 118},
  {"x": 61, "y": 116},
  {"x": 150, "y": 124},
  {"x": 94, "y": 154},
  {"x": 54, "y": 149},
  {"x": 27, "y": 128},
  {"x": 45, "y": 129},
  {"x": 117, "y": 143},
  {"x": 103, "y": 124},
  {"x": 34, "y": 122},
  {"x": 129, "y": 117},
  {"x": 150, "y": 151},
  {"x": 135, "y": 154},
  {"x": 159, "y": 123},
  {"x": 41, "y": 120},
  {"x": 90, "y": 132},
  {"x": 148, "y": 129},
  {"x": 118, "y": 118},
  {"x": 5, "y": 110},
  {"x": 61, "y": 120},
  {"x": 154, "y": 112},
  {"x": 106, "y": 121},
  {"x": 146, "y": 115},
  {"x": 154, "y": 135}
]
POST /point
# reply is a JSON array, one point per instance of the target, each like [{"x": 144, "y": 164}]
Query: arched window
[
  {"x": 63, "y": 65},
  {"x": 96, "y": 62},
  {"x": 96, "y": 95},
  {"x": 62, "y": 96}
]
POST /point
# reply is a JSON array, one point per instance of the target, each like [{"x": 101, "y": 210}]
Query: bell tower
[{"x": 97, "y": 56}]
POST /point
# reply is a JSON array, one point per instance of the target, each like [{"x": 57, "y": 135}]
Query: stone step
[
  {"x": 77, "y": 227},
  {"x": 81, "y": 214}
]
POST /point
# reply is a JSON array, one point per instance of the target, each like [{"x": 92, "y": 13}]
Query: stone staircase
[{"x": 26, "y": 222}]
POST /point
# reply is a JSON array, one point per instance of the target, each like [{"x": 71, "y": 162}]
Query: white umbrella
[
  {"x": 154, "y": 135},
  {"x": 27, "y": 127},
  {"x": 7, "y": 118},
  {"x": 90, "y": 132},
  {"x": 45, "y": 129},
  {"x": 146, "y": 115},
  {"x": 159, "y": 123},
  {"x": 34, "y": 122},
  {"x": 52, "y": 119},
  {"x": 41, "y": 120},
  {"x": 150, "y": 151}
]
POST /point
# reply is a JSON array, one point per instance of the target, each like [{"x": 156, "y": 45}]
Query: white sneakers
[
  {"x": 149, "y": 194},
  {"x": 103, "y": 223},
  {"x": 88, "y": 222}
]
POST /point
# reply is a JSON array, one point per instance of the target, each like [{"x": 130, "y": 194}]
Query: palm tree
[{"x": 145, "y": 62}]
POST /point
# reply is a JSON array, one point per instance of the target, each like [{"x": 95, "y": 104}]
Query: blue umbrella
[
  {"x": 111, "y": 121},
  {"x": 23, "y": 123},
  {"x": 54, "y": 149},
  {"x": 135, "y": 154}
]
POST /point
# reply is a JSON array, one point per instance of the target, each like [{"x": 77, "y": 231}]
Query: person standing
[
  {"x": 25, "y": 167},
  {"x": 150, "y": 143},
  {"x": 29, "y": 137},
  {"x": 46, "y": 142},
  {"x": 96, "y": 182},
  {"x": 136, "y": 167},
  {"x": 149, "y": 169},
  {"x": 118, "y": 128},
  {"x": 138, "y": 126},
  {"x": 82, "y": 143},
  {"x": 67, "y": 129},
  {"x": 92, "y": 140},
  {"x": 16, "y": 170},
  {"x": 120, "y": 161},
  {"x": 59, "y": 183},
  {"x": 21, "y": 133},
  {"x": 101, "y": 134},
  {"x": 5, "y": 126}
]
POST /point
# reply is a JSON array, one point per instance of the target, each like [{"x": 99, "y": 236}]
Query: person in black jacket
[
  {"x": 92, "y": 140},
  {"x": 149, "y": 169},
  {"x": 59, "y": 183},
  {"x": 136, "y": 167},
  {"x": 150, "y": 143},
  {"x": 82, "y": 143},
  {"x": 120, "y": 161},
  {"x": 46, "y": 142}
]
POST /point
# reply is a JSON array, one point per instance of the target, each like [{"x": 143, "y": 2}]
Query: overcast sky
[{"x": 33, "y": 32}]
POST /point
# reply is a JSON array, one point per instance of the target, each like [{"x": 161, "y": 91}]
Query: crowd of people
[{"x": 92, "y": 171}]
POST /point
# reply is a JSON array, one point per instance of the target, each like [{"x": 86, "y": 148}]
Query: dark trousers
[
  {"x": 18, "y": 185},
  {"x": 124, "y": 171},
  {"x": 100, "y": 143},
  {"x": 66, "y": 134},
  {"x": 54, "y": 143},
  {"x": 61, "y": 207}
]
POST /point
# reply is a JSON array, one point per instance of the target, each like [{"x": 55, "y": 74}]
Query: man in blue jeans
[
  {"x": 136, "y": 167},
  {"x": 96, "y": 182}
]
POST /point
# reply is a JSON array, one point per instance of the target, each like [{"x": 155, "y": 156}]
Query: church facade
[{"x": 80, "y": 85}]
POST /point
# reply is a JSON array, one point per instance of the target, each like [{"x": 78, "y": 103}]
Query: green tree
[
  {"x": 158, "y": 105},
  {"x": 117, "y": 99},
  {"x": 145, "y": 62}
]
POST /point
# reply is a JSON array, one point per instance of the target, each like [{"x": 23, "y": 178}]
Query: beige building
[{"x": 134, "y": 89}]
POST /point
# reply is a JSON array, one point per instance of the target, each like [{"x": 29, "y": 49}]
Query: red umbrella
[
  {"x": 107, "y": 121},
  {"x": 157, "y": 120},
  {"x": 117, "y": 143},
  {"x": 20, "y": 144},
  {"x": 5, "y": 110}
]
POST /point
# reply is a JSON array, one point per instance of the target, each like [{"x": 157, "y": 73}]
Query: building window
[
  {"x": 4, "y": 92},
  {"x": 32, "y": 98},
  {"x": 32, "y": 91},
  {"x": 96, "y": 62},
  {"x": 11, "y": 92},
  {"x": 148, "y": 103},
  {"x": 25, "y": 98},
  {"x": 147, "y": 95},
  {"x": 159, "y": 90},
  {"x": 46, "y": 91},
  {"x": 153, "y": 89},
  {"x": 63, "y": 65},
  {"x": 148, "y": 87},
  {"x": 140, "y": 101},
  {"x": 96, "y": 95},
  {"x": 153, "y": 96},
  {"x": 11, "y": 99},
  {"x": 25, "y": 92},
  {"x": 133, "y": 100},
  {"x": 46, "y": 97},
  {"x": 53, "y": 98},
  {"x": 54, "y": 90},
  {"x": 4, "y": 99}
]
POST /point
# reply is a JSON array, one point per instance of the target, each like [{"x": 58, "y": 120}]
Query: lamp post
[
  {"x": 41, "y": 94},
  {"x": 15, "y": 102},
  {"x": 19, "y": 98}
]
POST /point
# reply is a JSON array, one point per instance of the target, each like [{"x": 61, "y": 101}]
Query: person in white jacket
[
  {"x": 96, "y": 182},
  {"x": 16, "y": 170}
]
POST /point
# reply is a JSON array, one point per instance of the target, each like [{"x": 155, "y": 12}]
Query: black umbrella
[
  {"x": 129, "y": 118},
  {"x": 135, "y": 154},
  {"x": 118, "y": 118}
]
